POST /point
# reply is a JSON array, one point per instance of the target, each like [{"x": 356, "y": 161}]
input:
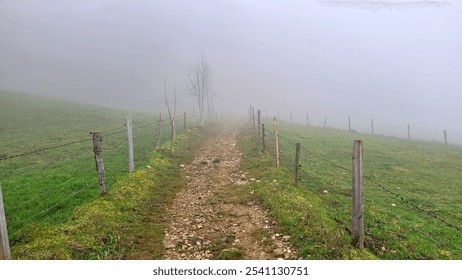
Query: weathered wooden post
[
  {"x": 263, "y": 149},
  {"x": 131, "y": 163},
  {"x": 297, "y": 163},
  {"x": 325, "y": 119},
  {"x": 445, "y": 139},
  {"x": 276, "y": 140},
  {"x": 259, "y": 125},
  {"x": 253, "y": 119},
  {"x": 97, "y": 149},
  {"x": 349, "y": 124},
  {"x": 250, "y": 115},
  {"x": 372, "y": 126},
  {"x": 184, "y": 120},
  {"x": 4, "y": 242},
  {"x": 194, "y": 116},
  {"x": 357, "y": 219},
  {"x": 408, "y": 132},
  {"x": 159, "y": 130}
]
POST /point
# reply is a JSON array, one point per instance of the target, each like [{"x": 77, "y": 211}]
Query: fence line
[
  {"x": 66, "y": 188},
  {"x": 285, "y": 164}
]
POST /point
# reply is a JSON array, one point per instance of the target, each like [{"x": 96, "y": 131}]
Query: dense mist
[{"x": 397, "y": 62}]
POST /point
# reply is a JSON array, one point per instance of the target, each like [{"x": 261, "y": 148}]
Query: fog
[{"x": 397, "y": 62}]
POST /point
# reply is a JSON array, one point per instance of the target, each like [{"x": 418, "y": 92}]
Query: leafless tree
[
  {"x": 171, "y": 113},
  {"x": 199, "y": 84}
]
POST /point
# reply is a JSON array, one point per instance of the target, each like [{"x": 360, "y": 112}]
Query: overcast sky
[{"x": 398, "y": 62}]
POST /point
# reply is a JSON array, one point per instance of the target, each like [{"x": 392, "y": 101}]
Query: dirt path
[{"x": 215, "y": 216}]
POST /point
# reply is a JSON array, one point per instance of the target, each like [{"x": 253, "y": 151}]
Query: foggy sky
[{"x": 398, "y": 62}]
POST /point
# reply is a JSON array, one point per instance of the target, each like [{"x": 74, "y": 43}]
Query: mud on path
[{"x": 215, "y": 216}]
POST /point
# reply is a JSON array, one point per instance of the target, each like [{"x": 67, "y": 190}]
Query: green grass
[
  {"x": 421, "y": 179},
  {"x": 45, "y": 188}
]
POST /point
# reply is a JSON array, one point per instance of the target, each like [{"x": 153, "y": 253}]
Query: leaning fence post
[
  {"x": 131, "y": 163},
  {"x": 276, "y": 140},
  {"x": 97, "y": 139},
  {"x": 357, "y": 187},
  {"x": 4, "y": 243},
  {"x": 297, "y": 161}
]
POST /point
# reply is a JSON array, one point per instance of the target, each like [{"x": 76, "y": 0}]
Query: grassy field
[
  {"x": 412, "y": 194},
  {"x": 44, "y": 188}
]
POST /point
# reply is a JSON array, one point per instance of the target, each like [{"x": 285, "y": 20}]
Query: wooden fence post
[
  {"x": 253, "y": 119},
  {"x": 194, "y": 116},
  {"x": 259, "y": 125},
  {"x": 263, "y": 149},
  {"x": 408, "y": 132},
  {"x": 97, "y": 149},
  {"x": 372, "y": 126},
  {"x": 159, "y": 130},
  {"x": 4, "y": 242},
  {"x": 297, "y": 162},
  {"x": 357, "y": 219},
  {"x": 325, "y": 119},
  {"x": 349, "y": 124},
  {"x": 184, "y": 120},
  {"x": 131, "y": 164},
  {"x": 445, "y": 139},
  {"x": 307, "y": 120},
  {"x": 276, "y": 140}
]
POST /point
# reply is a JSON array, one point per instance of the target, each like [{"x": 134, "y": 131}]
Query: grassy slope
[
  {"x": 412, "y": 175},
  {"x": 43, "y": 189}
]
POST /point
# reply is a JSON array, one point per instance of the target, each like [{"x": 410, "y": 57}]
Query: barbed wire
[
  {"x": 44, "y": 149},
  {"x": 51, "y": 190},
  {"x": 22, "y": 223},
  {"x": 412, "y": 204}
]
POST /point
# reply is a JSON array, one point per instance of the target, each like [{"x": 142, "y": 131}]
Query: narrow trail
[{"x": 215, "y": 216}]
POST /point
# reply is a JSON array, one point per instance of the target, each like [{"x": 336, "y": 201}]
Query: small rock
[
  {"x": 286, "y": 238},
  {"x": 325, "y": 192},
  {"x": 278, "y": 252},
  {"x": 204, "y": 162},
  {"x": 170, "y": 246},
  {"x": 393, "y": 205},
  {"x": 243, "y": 177},
  {"x": 181, "y": 165},
  {"x": 216, "y": 160}
]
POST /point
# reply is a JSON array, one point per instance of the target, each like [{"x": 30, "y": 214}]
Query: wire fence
[
  {"x": 44, "y": 185},
  {"x": 330, "y": 174}
]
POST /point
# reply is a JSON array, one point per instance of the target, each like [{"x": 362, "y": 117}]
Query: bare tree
[
  {"x": 171, "y": 113},
  {"x": 199, "y": 83}
]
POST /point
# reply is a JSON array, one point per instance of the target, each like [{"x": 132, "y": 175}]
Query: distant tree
[{"x": 199, "y": 85}]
